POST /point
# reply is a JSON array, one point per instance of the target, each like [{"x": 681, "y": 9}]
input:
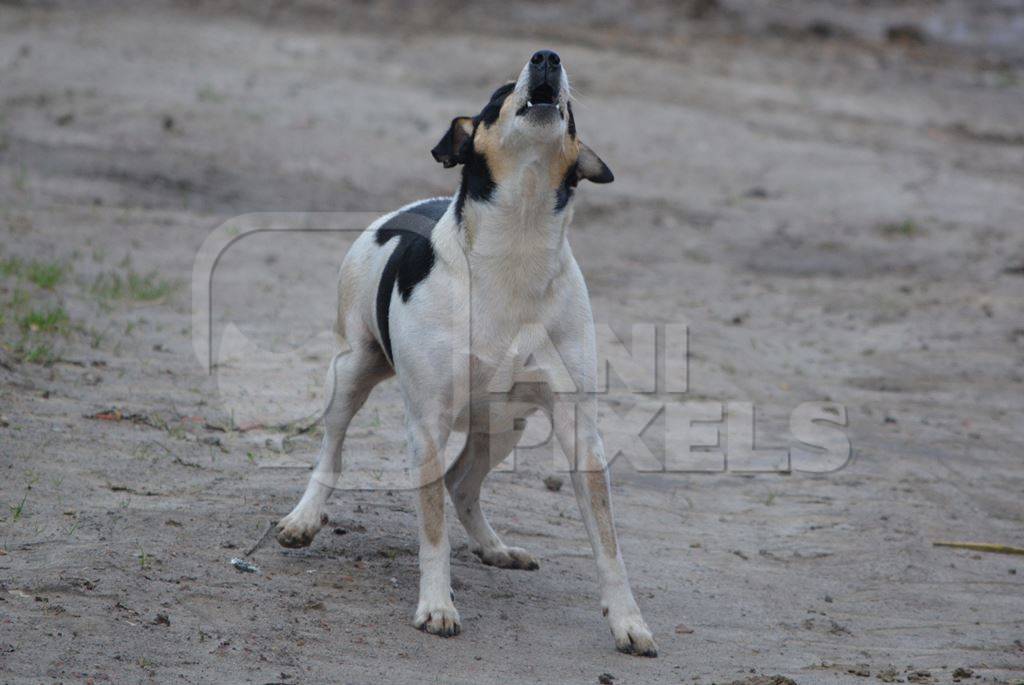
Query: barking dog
[{"x": 449, "y": 294}]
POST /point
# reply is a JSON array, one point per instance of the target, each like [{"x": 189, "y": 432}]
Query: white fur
[{"x": 507, "y": 280}]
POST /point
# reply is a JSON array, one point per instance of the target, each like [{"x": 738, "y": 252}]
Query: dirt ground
[{"x": 836, "y": 214}]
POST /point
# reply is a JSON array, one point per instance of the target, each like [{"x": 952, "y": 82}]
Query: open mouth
[
  {"x": 542, "y": 98},
  {"x": 541, "y": 95}
]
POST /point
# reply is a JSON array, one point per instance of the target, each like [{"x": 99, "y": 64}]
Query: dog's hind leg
[
  {"x": 483, "y": 452},
  {"x": 350, "y": 378}
]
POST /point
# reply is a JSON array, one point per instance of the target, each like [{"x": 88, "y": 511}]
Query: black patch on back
[
  {"x": 411, "y": 261},
  {"x": 567, "y": 187},
  {"x": 572, "y": 121}
]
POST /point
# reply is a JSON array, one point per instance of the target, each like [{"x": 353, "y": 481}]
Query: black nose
[{"x": 547, "y": 58}]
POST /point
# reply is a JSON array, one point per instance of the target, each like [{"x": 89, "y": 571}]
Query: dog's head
[{"x": 528, "y": 121}]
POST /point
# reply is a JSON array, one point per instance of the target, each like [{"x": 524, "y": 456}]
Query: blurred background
[{"x": 829, "y": 193}]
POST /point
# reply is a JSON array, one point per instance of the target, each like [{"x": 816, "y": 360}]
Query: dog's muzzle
[{"x": 544, "y": 85}]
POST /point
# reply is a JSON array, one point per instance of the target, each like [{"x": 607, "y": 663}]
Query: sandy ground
[{"x": 837, "y": 219}]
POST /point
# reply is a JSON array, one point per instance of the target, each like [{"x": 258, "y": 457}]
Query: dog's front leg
[
  {"x": 436, "y": 611},
  {"x": 350, "y": 377},
  {"x": 580, "y": 440}
]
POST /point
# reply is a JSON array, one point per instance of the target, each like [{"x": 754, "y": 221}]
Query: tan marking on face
[
  {"x": 487, "y": 142},
  {"x": 567, "y": 155},
  {"x": 600, "y": 505},
  {"x": 432, "y": 496}
]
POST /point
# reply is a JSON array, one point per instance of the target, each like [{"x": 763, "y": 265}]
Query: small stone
[
  {"x": 162, "y": 620},
  {"x": 244, "y": 566},
  {"x": 889, "y": 674},
  {"x": 554, "y": 484},
  {"x": 861, "y": 670},
  {"x": 905, "y": 34},
  {"x": 606, "y": 679}
]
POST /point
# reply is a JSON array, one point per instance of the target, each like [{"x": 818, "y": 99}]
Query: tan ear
[
  {"x": 589, "y": 166},
  {"x": 450, "y": 150}
]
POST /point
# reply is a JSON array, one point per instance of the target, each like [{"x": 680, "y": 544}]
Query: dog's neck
[{"x": 517, "y": 233}]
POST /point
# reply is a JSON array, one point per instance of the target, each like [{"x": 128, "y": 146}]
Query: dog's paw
[
  {"x": 508, "y": 557},
  {"x": 632, "y": 636},
  {"x": 298, "y": 530},
  {"x": 441, "y": 619}
]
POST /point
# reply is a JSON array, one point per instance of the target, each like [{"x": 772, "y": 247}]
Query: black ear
[
  {"x": 589, "y": 166},
  {"x": 450, "y": 150}
]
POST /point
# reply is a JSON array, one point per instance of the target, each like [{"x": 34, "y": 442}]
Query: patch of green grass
[
  {"x": 37, "y": 323},
  {"x": 907, "y": 228},
  {"x": 18, "y": 509},
  {"x": 131, "y": 286},
  {"x": 45, "y": 274},
  {"x": 11, "y": 266},
  {"x": 209, "y": 94},
  {"x": 52, "y": 320},
  {"x": 96, "y": 337},
  {"x": 148, "y": 287},
  {"x": 39, "y": 354},
  {"x": 19, "y": 298}
]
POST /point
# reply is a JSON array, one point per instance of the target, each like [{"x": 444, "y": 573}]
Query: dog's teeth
[{"x": 529, "y": 104}]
